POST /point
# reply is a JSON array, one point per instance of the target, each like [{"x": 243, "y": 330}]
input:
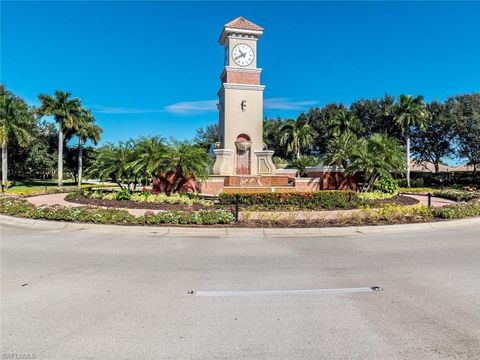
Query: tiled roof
[{"x": 243, "y": 24}]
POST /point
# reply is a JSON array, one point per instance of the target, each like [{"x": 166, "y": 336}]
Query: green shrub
[
  {"x": 22, "y": 208},
  {"x": 458, "y": 195},
  {"x": 387, "y": 185},
  {"x": 124, "y": 194},
  {"x": 327, "y": 199},
  {"x": 374, "y": 195},
  {"x": 457, "y": 211}
]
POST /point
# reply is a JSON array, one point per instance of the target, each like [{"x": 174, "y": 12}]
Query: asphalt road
[{"x": 75, "y": 293}]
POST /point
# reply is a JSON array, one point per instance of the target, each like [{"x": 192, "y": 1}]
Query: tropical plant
[
  {"x": 303, "y": 162},
  {"x": 297, "y": 135},
  {"x": 86, "y": 129},
  {"x": 150, "y": 155},
  {"x": 15, "y": 118},
  {"x": 411, "y": 111},
  {"x": 66, "y": 111},
  {"x": 185, "y": 161},
  {"x": 340, "y": 148},
  {"x": 375, "y": 157},
  {"x": 113, "y": 163},
  {"x": 344, "y": 122}
]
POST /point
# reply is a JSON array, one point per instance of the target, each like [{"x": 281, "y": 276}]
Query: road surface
[{"x": 82, "y": 293}]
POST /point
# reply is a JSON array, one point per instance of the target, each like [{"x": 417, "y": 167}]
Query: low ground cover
[
  {"x": 467, "y": 194},
  {"x": 22, "y": 208},
  {"x": 139, "y": 201}
]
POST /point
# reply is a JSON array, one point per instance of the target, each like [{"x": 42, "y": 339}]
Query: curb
[{"x": 230, "y": 232}]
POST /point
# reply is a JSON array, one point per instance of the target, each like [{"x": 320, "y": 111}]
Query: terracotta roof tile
[{"x": 243, "y": 24}]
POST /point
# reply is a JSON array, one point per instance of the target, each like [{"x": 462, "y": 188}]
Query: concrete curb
[{"x": 201, "y": 232}]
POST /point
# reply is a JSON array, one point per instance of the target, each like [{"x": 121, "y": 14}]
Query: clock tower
[{"x": 241, "y": 150}]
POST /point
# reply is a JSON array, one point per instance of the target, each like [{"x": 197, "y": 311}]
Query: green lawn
[{"x": 38, "y": 187}]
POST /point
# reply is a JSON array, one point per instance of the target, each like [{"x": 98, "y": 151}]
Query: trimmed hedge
[
  {"x": 22, "y": 208},
  {"x": 326, "y": 199}
]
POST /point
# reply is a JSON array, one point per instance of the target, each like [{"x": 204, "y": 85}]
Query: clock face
[{"x": 242, "y": 55}]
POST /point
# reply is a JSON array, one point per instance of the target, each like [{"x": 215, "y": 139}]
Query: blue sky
[{"x": 152, "y": 68}]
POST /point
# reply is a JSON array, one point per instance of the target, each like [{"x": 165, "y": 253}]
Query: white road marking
[{"x": 284, "y": 292}]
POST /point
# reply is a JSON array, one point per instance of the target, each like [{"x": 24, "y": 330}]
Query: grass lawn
[{"x": 38, "y": 187}]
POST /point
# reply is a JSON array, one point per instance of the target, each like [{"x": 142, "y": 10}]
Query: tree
[
  {"x": 340, "y": 149},
  {"x": 86, "y": 129},
  {"x": 344, "y": 122},
  {"x": 40, "y": 160},
  {"x": 297, "y": 135},
  {"x": 303, "y": 162},
  {"x": 66, "y": 111},
  {"x": 465, "y": 112},
  {"x": 435, "y": 140},
  {"x": 205, "y": 137},
  {"x": 113, "y": 163},
  {"x": 150, "y": 155},
  {"x": 376, "y": 116},
  {"x": 185, "y": 161},
  {"x": 376, "y": 156},
  {"x": 318, "y": 119},
  {"x": 411, "y": 111},
  {"x": 272, "y": 134},
  {"x": 15, "y": 118}
]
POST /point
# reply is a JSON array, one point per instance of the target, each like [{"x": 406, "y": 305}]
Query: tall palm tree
[
  {"x": 411, "y": 111},
  {"x": 297, "y": 135},
  {"x": 86, "y": 129},
  {"x": 66, "y": 111},
  {"x": 344, "y": 122},
  {"x": 15, "y": 117}
]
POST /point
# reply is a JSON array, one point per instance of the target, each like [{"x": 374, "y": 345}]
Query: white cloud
[
  {"x": 203, "y": 106},
  {"x": 192, "y": 107},
  {"x": 287, "y": 104}
]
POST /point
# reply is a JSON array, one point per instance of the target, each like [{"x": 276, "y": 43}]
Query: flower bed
[
  {"x": 147, "y": 197},
  {"x": 131, "y": 204},
  {"x": 389, "y": 214},
  {"x": 22, "y": 208}
]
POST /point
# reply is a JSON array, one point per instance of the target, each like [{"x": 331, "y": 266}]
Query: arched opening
[{"x": 243, "y": 145}]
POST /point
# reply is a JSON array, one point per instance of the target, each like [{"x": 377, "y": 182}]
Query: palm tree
[
  {"x": 411, "y": 111},
  {"x": 185, "y": 161},
  {"x": 297, "y": 135},
  {"x": 150, "y": 155},
  {"x": 376, "y": 156},
  {"x": 66, "y": 111},
  {"x": 86, "y": 129},
  {"x": 112, "y": 163},
  {"x": 340, "y": 148},
  {"x": 344, "y": 122},
  {"x": 14, "y": 120}
]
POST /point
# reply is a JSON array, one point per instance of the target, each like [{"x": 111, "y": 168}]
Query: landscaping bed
[
  {"x": 320, "y": 200},
  {"x": 389, "y": 214},
  {"x": 131, "y": 204}
]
